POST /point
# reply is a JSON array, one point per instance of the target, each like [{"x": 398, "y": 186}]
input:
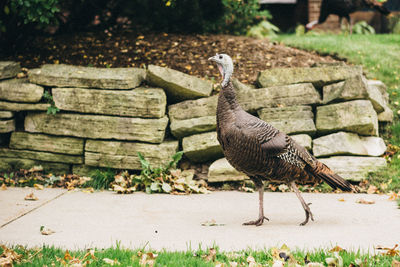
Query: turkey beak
[{"x": 212, "y": 58}]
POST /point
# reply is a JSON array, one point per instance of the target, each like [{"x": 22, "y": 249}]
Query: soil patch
[{"x": 186, "y": 53}]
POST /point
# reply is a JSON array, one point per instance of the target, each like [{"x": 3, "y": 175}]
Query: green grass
[
  {"x": 101, "y": 179},
  {"x": 51, "y": 256},
  {"x": 380, "y": 57}
]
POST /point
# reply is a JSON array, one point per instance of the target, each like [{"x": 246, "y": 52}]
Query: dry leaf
[
  {"x": 395, "y": 263},
  {"x": 390, "y": 251},
  {"x": 88, "y": 190},
  {"x": 111, "y": 262},
  {"x": 341, "y": 200},
  {"x": 212, "y": 253},
  {"x": 38, "y": 186},
  {"x": 394, "y": 196},
  {"x": 38, "y": 168},
  {"x": 372, "y": 189},
  {"x": 8, "y": 257},
  {"x": 337, "y": 249},
  {"x": 31, "y": 196},
  {"x": 365, "y": 201},
  {"x": 48, "y": 231},
  {"x": 212, "y": 222},
  {"x": 3, "y": 186}
]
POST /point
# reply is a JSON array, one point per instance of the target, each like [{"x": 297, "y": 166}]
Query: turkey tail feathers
[{"x": 332, "y": 179}]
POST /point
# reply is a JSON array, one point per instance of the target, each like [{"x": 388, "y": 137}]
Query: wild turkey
[
  {"x": 343, "y": 8},
  {"x": 261, "y": 151}
]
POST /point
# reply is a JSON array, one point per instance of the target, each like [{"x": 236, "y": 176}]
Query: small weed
[
  {"x": 49, "y": 99},
  {"x": 101, "y": 179}
]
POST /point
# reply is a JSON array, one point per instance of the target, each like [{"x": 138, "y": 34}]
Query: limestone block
[
  {"x": 39, "y": 155},
  {"x": 9, "y": 69},
  {"x": 182, "y": 128},
  {"x": 357, "y": 116},
  {"x": 60, "y": 75},
  {"x": 318, "y": 76},
  {"x": 381, "y": 87},
  {"x": 123, "y": 155},
  {"x": 343, "y": 143},
  {"x": 354, "y": 168},
  {"x": 7, "y": 126},
  {"x": 98, "y": 126},
  {"x": 23, "y": 106},
  {"x": 303, "y": 140},
  {"x": 11, "y": 164},
  {"x": 288, "y": 95},
  {"x": 386, "y": 115},
  {"x": 18, "y": 91},
  {"x": 43, "y": 142},
  {"x": 290, "y": 120},
  {"x": 221, "y": 171},
  {"x": 202, "y": 147},
  {"x": 6, "y": 114},
  {"x": 83, "y": 170},
  {"x": 375, "y": 96},
  {"x": 189, "y": 109},
  {"x": 352, "y": 88},
  {"x": 140, "y": 102},
  {"x": 239, "y": 86},
  {"x": 178, "y": 85}
]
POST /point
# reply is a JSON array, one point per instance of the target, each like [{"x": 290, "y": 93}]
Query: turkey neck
[{"x": 227, "y": 104}]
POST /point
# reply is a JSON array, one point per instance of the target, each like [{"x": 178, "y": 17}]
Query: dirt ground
[{"x": 186, "y": 53}]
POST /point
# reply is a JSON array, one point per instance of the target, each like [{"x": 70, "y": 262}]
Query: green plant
[
  {"x": 239, "y": 15},
  {"x": 100, "y": 179},
  {"x": 362, "y": 27},
  {"x": 263, "y": 29},
  {"x": 49, "y": 99},
  {"x": 394, "y": 24}
]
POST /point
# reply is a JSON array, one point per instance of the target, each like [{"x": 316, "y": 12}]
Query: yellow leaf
[
  {"x": 168, "y": 3},
  {"x": 341, "y": 199},
  {"x": 3, "y": 186},
  {"x": 365, "y": 201},
  {"x": 38, "y": 186},
  {"x": 31, "y": 196}
]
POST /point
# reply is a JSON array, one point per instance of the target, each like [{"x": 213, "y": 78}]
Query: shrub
[{"x": 362, "y": 27}]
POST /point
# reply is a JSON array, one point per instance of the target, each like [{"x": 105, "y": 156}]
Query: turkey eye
[{"x": 220, "y": 57}]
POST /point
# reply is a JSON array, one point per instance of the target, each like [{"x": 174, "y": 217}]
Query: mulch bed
[{"x": 186, "y": 53}]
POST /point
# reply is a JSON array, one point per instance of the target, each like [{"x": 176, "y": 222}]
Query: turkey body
[{"x": 263, "y": 152}]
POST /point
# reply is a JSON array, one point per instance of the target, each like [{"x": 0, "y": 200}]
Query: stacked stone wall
[{"x": 107, "y": 116}]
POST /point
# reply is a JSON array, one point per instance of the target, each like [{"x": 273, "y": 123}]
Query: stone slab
[
  {"x": 351, "y": 89},
  {"x": 386, "y": 115},
  {"x": 288, "y": 95},
  {"x": 354, "y": 168},
  {"x": 43, "y": 142},
  {"x": 98, "y": 126},
  {"x": 84, "y": 170},
  {"x": 41, "y": 156},
  {"x": 182, "y": 128},
  {"x": 356, "y": 116},
  {"x": 190, "y": 109},
  {"x": 178, "y": 85},
  {"x": 7, "y": 126},
  {"x": 60, "y": 75},
  {"x": 221, "y": 171},
  {"x": 6, "y": 114},
  {"x": 290, "y": 120},
  {"x": 16, "y": 90},
  {"x": 23, "y": 106},
  {"x": 381, "y": 87},
  {"x": 123, "y": 155},
  {"x": 202, "y": 147},
  {"x": 12, "y": 164},
  {"x": 139, "y": 102},
  {"x": 9, "y": 69},
  {"x": 318, "y": 76},
  {"x": 303, "y": 140},
  {"x": 343, "y": 143}
]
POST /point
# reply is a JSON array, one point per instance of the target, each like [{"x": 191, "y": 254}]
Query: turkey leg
[
  {"x": 261, "y": 216},
  {"x": 303, "y": 203}
]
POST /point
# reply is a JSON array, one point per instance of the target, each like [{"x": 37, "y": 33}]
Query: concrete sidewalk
[{"x": 101, "y": 219}]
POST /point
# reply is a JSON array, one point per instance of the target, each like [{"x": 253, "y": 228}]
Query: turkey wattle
[{"x": 263, "y": 152}]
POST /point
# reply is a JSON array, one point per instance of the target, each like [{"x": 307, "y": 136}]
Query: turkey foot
[
  {"x": 304, "y": 204},
  {"x": 261, "y": 216},
  {"x": 257, "y": 222},
  {"x": 308, "y": 215}
]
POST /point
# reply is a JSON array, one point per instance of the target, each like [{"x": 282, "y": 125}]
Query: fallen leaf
[
  {"x": 3, "y": 186},
  {"x": 337, "y": 249},
  {"x": 31, "y": 196},
  {"x": 111, "y": 262},
  {"x": 365, "y": 201},
  {"x": 394, "y": 196},
  {"x": 212, "y": 253},
  {"x": 48, "y": 231},
  {"x": 38, "y": 168},
  {"x": 38, "y": 186},
  {"x": 278, "y": 263},
  {"x": 390, "y": 251},
  {"x": 341, "y": 200},
  {"x": 8, "y": 257},
  {"x": 88, "y": 190},
  {"x": 395, "y": 263},
  {"x": 372, "y": 189}
]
